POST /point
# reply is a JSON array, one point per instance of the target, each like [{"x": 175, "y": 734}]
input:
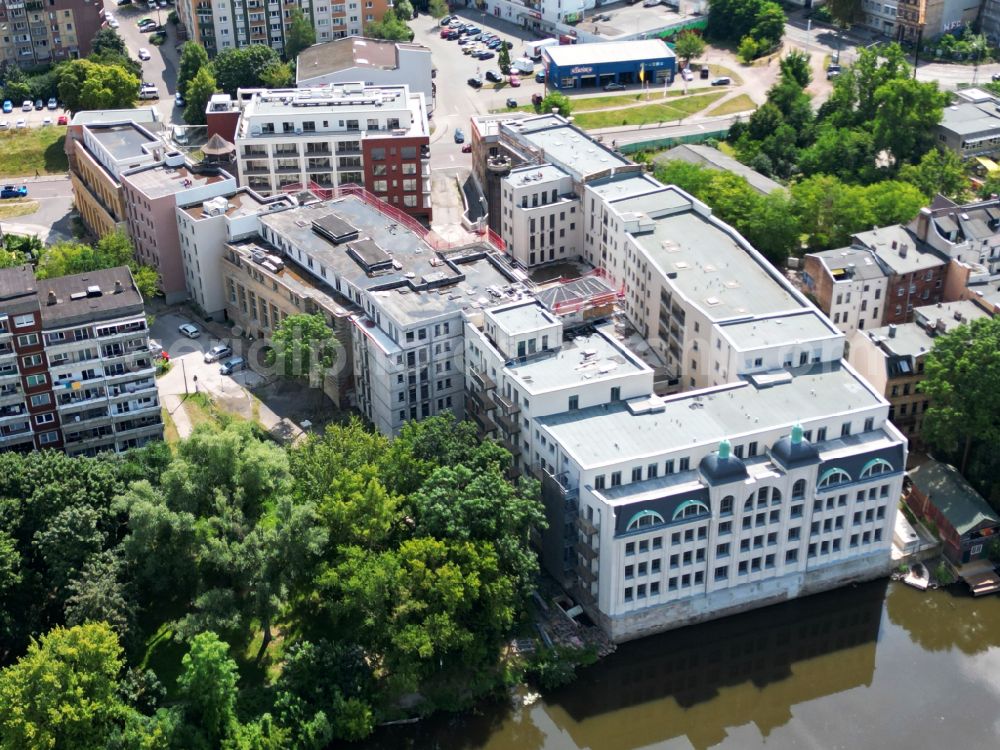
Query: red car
[
  {"x": 515, "y": 81},
  {"x": 467, "y": 148},
  {"x": 63, "y": 120},
  {"x": 444, "y": 32}
]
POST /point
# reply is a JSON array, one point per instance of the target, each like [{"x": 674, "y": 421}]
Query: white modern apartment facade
[{"x": 325, "y": 137}]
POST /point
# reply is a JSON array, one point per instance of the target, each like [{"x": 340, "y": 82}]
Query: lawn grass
[
  {"x": 644, "y": 115},
  {"x": 591, "y": 103},
  {"x": 199, "y": 409},
  {"x": 170, "y": 434},
  {"x": 741, "y": 103},
  {"x": 11, "y": 209},
  {"x": 23, "y": 152}
]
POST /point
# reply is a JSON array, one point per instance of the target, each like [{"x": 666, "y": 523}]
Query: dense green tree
[
  {"x": 279, "y": 75},
  {"x": 558, "y": 101},
  {"x": 748, "y": 49},
  {"x": 193, "y": 58},
  {"x": 769, "y": 26},
  {"x": 907, "y": 111},
  {"x": 242, "y": 68},
  {"x": 853, "y": 102},
  {"x": 829, "y": 211},
  {"x": 403, "y": 9},
  {"x": 108, "y": 40},
  {"x": 732, "y": 20},
  {"x": 97, "y": 594},
  {"x": 795, "y": 68},
  {"x": 503, "y": 59},
  {"x": 846, "y": 12},
  {"x": 84, "y": 84},
  {"x": 689, "y": 46},
  {"x": 960, "y": 375},
  {"x": 199, "y": 91},
  {"x": 939, "y": 171},
  {"x": 114, "y": 249},
  {"x": 17, "y": 91},
  {"x": 207, "y": 689},
  {"x": 846, "y": 153},
  {"x": 300, "y": 34},
  {"x": 63, "y": 692},
  {"x": 391, "y": 27},
  {"x": 893, "y": 202},
  {"x": 438, "y": 8},
  {"x": 303, "y": 347}
]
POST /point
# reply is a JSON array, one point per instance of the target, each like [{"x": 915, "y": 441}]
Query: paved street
[{"x": 51, "y": 220}]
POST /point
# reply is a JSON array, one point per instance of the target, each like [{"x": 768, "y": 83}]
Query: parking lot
[{"x": 33, "y": 119}]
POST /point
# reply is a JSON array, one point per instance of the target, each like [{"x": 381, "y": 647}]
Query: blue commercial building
[{"x": 593, "y": 65}]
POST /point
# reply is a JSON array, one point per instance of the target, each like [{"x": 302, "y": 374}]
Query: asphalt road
[{"x": 161, "y": 68}]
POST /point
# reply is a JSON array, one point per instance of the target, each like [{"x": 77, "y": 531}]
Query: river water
[{"x": 873, "y": 666}]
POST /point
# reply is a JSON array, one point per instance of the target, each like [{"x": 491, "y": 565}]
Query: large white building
[{"x": 325, "y": 137}]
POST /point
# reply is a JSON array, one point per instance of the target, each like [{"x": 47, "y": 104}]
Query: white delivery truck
[
  {"x": 522, "y": 65},
  {"x": 533, "y": 50}
]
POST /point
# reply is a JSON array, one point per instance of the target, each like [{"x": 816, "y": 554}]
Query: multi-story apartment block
[
  {"x": 238, "y": 23},
  {"x": 931, "y": 18},
  {"x": 342, "y": 134},
  {"x": 75, "y": 368},
  {"x": 37, "y": 33},
  {"x": 151, "y": 195},
  {"x": 378, "y": 62},
  {"x": 407, "y": 334},
  {"x": 204, "y": 229},
  {"x": 878, "y": 280},
  {"x": 892, "y": 358},
  {"x": 100, "y": 147},
  {"x": 776, "y": 474},
  {"x": 967, "y": 233}
]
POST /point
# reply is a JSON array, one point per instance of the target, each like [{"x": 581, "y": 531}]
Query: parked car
[
  {"x": 486, "y": 54},
  {"x": 494, "y": 44},
  {"x": 614, "y": 86},
  {"x": 4, "y": 125},
  {"x": 20, "y": 124},
  {"x": 233, "y": 365},
  {"x": 190, "y": 330},
  {"x": 63, "y": 120},
  {"x": 143, "y": 53},
  {"x": 650, "y": 3},
  {"x": 540, "y": 76},
  {"x": 444, "y": 32},
  {"x": 722, "y": 81},
  {"x": 996, "y": 76},
  {"x": 179, "y": 100},
  {"x": 217, "y": 352},
  {"x": 494, "y": 76},
  {"x": 687, "y": 74},
  {"x": 14, "y": 191},
  {"x": 46, "y": 121},
  {"x": 511, "y": 103},
  {"x": 833, "y": 70},
  {"x": 27, "y": 106},
  {"x": 53, "y": 104},
  {"x": 452, "y": 35},
  {"x": 467, "y": 148},
  {"x": 476, "y": 83},
  {"x": 148, "y": 91},
  {"x": 39, "y": 104},
  {"x": 459, "y": 136},
  {"x": 8, "y": 106},
  {"x": 514, "y": 81},
  {"x": 113, "y": 23},
  {"x": 446, "y": 20}
]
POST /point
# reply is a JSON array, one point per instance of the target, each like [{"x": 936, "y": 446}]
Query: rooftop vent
[
  {"x": 93, "y": 290},
  {"x": 52, "y": 298}
]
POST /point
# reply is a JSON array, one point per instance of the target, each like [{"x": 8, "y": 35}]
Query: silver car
[
  {"x": 217, "y": 352},
  {"x": 189, "y": 330}
]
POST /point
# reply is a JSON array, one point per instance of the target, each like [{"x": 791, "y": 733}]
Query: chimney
[
  {"x": 894, "y": 244},
  {"x": 118, "y": 287},
  {"x": 52, "y": 298},
  {"x": 892, "y": 330},
  {"x": 902, "y": 250},
  {"x": 923, "y": 223}
]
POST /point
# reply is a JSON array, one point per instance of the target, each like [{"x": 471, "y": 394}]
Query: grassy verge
[
  {"x": 170, "y": 434},
  {"x": 23, "y": 152},
  {"x": 676, "y": 110},
  {"x": 18, "y": 207},
  {"x": 741, "y": 103}
]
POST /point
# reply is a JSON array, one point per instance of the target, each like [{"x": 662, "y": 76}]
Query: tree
[
  {"x": 558, "y": 101},
  {"x": 795, "y": 67},
  {"x": 438, "y": 8},
  {"x": 199, "y": 91},
  {"x": 17, "y": 91},
  {"x": 114, "y": 249},
  {"x": 907, "y": 112},
  {"x": 503, "y": 59},
  {"x": 847, "y": 153},
  {"x": 300, "y": 34},
  {"x": 84, "y": 84},
  {"x": 846, "y": 12},
  {"x": 98, "y": 595},
  {"x": 303, "y": 346},
  {"x": 404, "y": 9},
  {"x": 829, "y": 211},
  {"x": 769, "y": 26},
  {"x": 63, "y": 692},
  {"x": 193, "y": 58},
  {"x": 939, "y": 171},
  {"x": 241, "y": 68},
  {"x": 959, "y": 377},
  {"x": 108, "y": 40},
  {"x": 391, "y": 27},
  {"x": 278, "y": 75},
  {"x": 748, "y": 50},
  {"x": 207, "y": 689},
  {"x": 689, "y": 45}
]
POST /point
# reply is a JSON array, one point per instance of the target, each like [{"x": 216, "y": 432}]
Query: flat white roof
[{"x": 595, "y": 53}]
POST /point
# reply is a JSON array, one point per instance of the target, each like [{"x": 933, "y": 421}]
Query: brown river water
[{"x": 879, "y": 666}]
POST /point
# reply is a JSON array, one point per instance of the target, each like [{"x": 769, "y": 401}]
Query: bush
[
  {"x": 942, "y": 574},
  {"x": 555, "y": 667},
  {"x": 748, "y": 50},
  {"x": 172, "y": 18}
]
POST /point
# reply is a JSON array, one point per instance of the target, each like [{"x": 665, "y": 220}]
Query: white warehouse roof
[{"x": 594, "y": 53}]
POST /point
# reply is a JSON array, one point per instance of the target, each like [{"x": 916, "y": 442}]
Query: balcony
[
  {"x": 254, "y": 152},
  {"x": 483, "y": 400},
  {"x": 11, "y": 411},
  {"x": 511, "y": 425},
  {"x": 134, "y": 411},
  {"x": 482, "y": 380},
  {"x": 73, "y": 402},
  {"x": 8, "y": 435},
  {"x": 586, "y": 526},
  {"x": 509, "y": 407},
  {"x": 128, "y": 390},
  {"x": 91, "y": 418},
  {"x": 318, "y": 149},
  {"x": 139, "y": 426},
  {"x": 486, "y": 425},
  {"x": 586, "y": 550},
  {"x": 141, "y": 369},
  {"x": 319, "y": 165},
  {"x": 586, "y": 574}
]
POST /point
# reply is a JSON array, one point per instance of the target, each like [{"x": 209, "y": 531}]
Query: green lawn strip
[
  {"x": 10, "y": 209},
  {"x": 676, "y": 110},
  {"x": 591, "y": 103},
  {"x": 741, "y": 103},
  {"x": 23, "y": 152}
]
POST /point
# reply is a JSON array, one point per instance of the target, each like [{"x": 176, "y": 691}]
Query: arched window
[
  {"x": 775, "y": 496},
  {"x": 875, "y": 467},
  {"x": 690, "y": 509},
  {"x": 833, "y": 477},
  {"x": 726, "y": 506},
  {"x": 748, "y": 505},
  {"x": 644, "y": 519},
  {"x": 799, "y": 489}
]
